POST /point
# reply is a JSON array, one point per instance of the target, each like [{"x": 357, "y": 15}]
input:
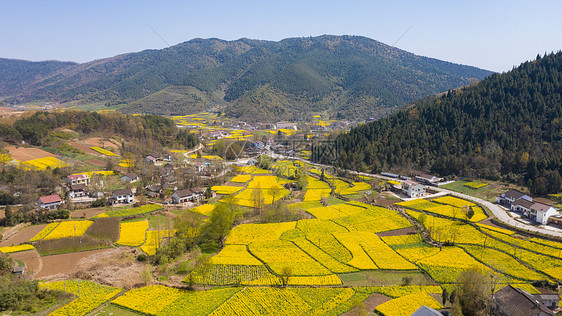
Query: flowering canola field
[
  {"x": 12, "y": 249},
  {"x": 154, "y": 239},
  {"x": 44, "y": 163},
  {"x": 132, "y": 233},
  {"x": 408, "y": 304},
  {"x": 124, "y": 211},
  {"x": 104, "y": 151},
  {"x": 90, "y": 295},
  {"x": 63, "y": 230}
]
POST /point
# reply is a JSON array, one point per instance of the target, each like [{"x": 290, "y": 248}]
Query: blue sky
[{"x": 495, "y": 35}]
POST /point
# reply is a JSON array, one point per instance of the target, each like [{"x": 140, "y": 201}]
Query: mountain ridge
[{"x": 352, "y": 76}]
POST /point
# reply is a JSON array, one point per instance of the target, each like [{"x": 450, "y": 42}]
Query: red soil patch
[
  {"x": 398, "y": 232},
  {"x": 370, "y": 303},
  {"x": 64, "y": 264},
  {"x": 116, "y": 267},
  {"x": 88, "y": 212},
  {"x": 23, "y": 236},
  {"x": 25, "y": 154},
  {"x": 100, "y": 142},
  {"x": 96, "y": 162},
  {"x": 490, "y": 223},
  {"x": 31, "y": 259},
  {"x": 84, "y": 148}
]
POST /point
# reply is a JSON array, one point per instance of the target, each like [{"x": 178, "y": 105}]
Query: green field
[{"x": 488, "y": 192}]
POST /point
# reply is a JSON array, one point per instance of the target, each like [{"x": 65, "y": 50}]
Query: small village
[{"x": 127, "y": 211}]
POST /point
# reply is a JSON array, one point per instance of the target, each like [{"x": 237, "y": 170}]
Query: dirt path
[
  {"x": 22, "y": 236},
  {"x": 25, "y": 154},
  {"x": 59, "y": 266}
]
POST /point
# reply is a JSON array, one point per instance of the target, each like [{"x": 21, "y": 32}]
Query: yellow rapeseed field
[
  {"x": 44, "y": 163},
  {"x": 235, "y": 255},
  {"x": 248, "y": 233},
  {"x": 226, "y": 189},
  {"x": 280, "y": 254},
  {"x": 11, "y": 249},
  {"x": 132, "y": 233},
  {"x": 154, "y": 239},
  {"x": 90, "y": 296},
  {"x": 407, "y": 305},
  {"x": 104, "y": 151},
  {"x": 205, "y": 209},
  {"x": 361, "y": 259},
  {"x": 150, "y": 299},
  {"x": 63, "y": 230}
]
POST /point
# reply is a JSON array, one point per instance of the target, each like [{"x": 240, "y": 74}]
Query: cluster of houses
[
  {"x": 523, "y": 203},
  {"x": 78, "y": 186}
]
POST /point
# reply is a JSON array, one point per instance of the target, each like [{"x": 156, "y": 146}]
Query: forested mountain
[
  {"x": 349, "y": 75},
  {"x": 16, "y": 74},
  {"x": 508, "y": 126}
]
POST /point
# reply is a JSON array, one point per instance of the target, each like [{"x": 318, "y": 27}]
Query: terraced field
[{"x": 298, "y": 267}]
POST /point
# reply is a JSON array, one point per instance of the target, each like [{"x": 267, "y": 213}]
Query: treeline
[
  {"x": 35, "y": 128},
  {"x": 507, "y": 127}
]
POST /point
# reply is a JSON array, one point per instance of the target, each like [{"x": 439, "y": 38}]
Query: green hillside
[{"x": 509, "y": 127}]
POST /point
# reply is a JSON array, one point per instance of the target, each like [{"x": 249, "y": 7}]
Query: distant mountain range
[
  {"x": 507, "y": 127},
  {"x": 344, "y": 76}
]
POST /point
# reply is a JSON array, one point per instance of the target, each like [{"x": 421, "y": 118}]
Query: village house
[
  {"x": 266, "y": 126},
  {"x": 78, "y": 179},
  {"x": 412, "y": 189},
  {"x": 130, "y": 177},
  {"x": 426, "y": 311},
  {"x": 154, "y": 158},
  {"x": 511, "y": 196},
  {"x": 125, "y": 196},
  {"x": 153, "y": 191},
  {"x": 186, "y": 195},
  {"x": 520, "y": 202},
  {"x": 49, "y": 202},
  {"x": 284, "y": 125},
  {"x": 511, "y": 301},
  {"x": 541, "y": 212},
  {"x": 77, "y": 190},
  {"x": 428, "y": 179}
]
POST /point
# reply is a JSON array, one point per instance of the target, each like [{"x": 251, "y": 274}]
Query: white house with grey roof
[{"x": 520, "y": 202}]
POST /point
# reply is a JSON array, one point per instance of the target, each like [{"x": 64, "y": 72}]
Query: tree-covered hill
[
  {"x": 349, "y": 76},
  {"x": 15, "y": 74},
  {"x": 508, "y": 126}
]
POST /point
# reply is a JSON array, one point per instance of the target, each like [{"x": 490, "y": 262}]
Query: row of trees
[{"x": 36, "y": 128}]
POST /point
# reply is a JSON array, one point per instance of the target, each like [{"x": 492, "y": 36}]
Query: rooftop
[
  {"x": 123, "y": 192},
  {"x": 50, "y": 199}
]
